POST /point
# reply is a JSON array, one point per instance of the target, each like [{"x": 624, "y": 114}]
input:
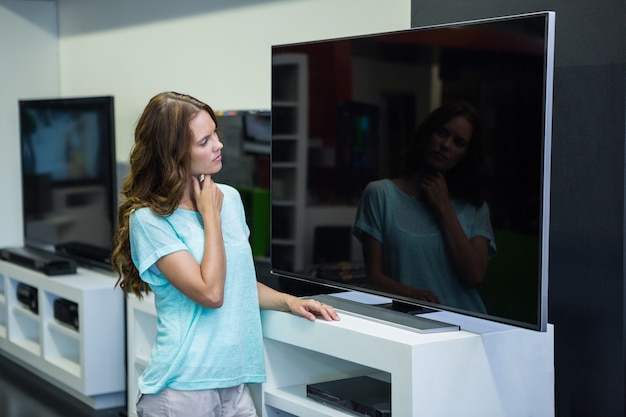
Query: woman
[
  {"x": 426, "y": 232},
  {"x": 184, "y": 237}
]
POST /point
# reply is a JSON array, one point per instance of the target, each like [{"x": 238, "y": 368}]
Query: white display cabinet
[
  {"x": 84, "y": 358},
  {"x": 485, "y": 369}
]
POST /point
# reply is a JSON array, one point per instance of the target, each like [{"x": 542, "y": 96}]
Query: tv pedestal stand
[{"x": 485, "y": 369}]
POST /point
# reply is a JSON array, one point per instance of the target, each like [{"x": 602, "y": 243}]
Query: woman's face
[
  {"x": 206, "y": 148},
  {"x": 448, "y": 144}
]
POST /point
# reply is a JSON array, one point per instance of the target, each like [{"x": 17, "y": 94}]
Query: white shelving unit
[
  {"x": 289, "y": 157},
  {"x": 86, "y": 361},
  {"x": 493, "y": 371},
  {"x": 141, "y": 332},
  {"x": 486, "y": 369}
]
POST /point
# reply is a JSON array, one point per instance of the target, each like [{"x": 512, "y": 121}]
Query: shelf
[
  {"x": 283, "y": 203},
  {"x": 29, "y": 345},
  {"x": 24, "y": 330},
  {"x": 284, "y": 165},
  {"x": 283, "y": 242},
  {"x": 258, "y": 148},
  {"x": 141, "y": 362},
  {"x": 87, "y": 362},
  {"x": 293, "y": 400},
  {"x": 64, "y": 328},
  {"x": 26, "y": 312},
  {"x": 284, "y": 75},
  {"x": 284, "y": 103},
  {"x": 289, "y": 152},
  {"x": 63, "y": 333},
  {"x": 284, "y": 137},
  {"x": 69, "y": 365}
]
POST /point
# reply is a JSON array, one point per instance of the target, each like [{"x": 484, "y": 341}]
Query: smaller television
[
  {"x": 244, "y": 131},
  {"x": 69, "y": 187},
  {"x": 246, "y": 137}
]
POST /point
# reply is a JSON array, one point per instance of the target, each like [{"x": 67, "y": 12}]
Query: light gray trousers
[{"x": 222, "y": 402}]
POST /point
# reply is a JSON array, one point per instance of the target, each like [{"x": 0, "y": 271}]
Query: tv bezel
[
  {"x": 91, "y": 257},
  {"x": 312, "y": 284}
]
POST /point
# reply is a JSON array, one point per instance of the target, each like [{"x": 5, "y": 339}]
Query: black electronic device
[
  {"x": 362, "y": 395},
  {"x": 39, "y": 260},
  {"x": 27, "y": 295},
  {"x": 244, "y": 131},
  {"x": 66, "y": 311}
]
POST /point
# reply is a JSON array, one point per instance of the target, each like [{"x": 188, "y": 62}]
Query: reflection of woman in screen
[{"x": 425, "y": 231}]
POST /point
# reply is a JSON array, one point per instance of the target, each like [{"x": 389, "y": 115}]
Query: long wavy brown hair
[{"x": 159, "y": 171}]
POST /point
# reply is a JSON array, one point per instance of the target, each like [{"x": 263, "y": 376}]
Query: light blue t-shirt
[
  {"x": 198, "y": 348},
  {"x": 414, "y": 248}
]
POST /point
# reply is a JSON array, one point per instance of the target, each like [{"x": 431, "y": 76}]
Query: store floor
[{"x": 23, "y": 394}]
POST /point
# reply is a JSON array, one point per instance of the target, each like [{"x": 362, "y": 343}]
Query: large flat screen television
[
  {"x": 342, "y": 108},
  {"x": 69, "y": 185}
]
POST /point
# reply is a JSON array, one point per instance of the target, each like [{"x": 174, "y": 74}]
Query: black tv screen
[
  {"x": 69, "y": 177},
  {"x": 341, "y": 108}
]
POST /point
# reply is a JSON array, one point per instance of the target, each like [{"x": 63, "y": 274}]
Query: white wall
[
  {"x": 218, "y": 50},
  {"x": 29, "y": 68}
]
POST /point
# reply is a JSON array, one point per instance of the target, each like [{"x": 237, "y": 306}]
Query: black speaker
[
  {"x": 27, "y": 295},
  {"x": 66, "y": 311}
]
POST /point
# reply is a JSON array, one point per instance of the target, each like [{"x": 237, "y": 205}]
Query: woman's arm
[
  {"x": 204, "y": 282},
  {"x": 373, "y": 256},
  {"x": 469, "y": 257},
  {"x": 270, "y": 299}
]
